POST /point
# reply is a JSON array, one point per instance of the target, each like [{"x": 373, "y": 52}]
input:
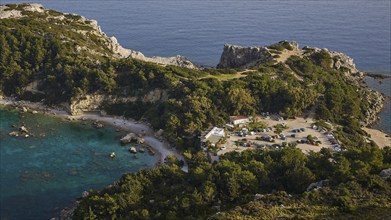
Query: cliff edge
[{"x": 87, "y": 28}]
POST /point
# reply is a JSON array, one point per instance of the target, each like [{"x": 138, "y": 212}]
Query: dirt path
[{"x": 225, "y": 77}]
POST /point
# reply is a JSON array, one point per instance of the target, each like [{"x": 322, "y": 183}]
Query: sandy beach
[
  {"x": 380, "y": 138},
  {"x": 128, "y": 125}
]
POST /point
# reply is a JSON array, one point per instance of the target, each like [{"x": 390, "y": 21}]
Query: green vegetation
[
  {"x": 281, "y": 46},
  {"x": 279, "y": 128},
  {"x": 69, "y": 61},
  {"x": 35, "y": 49},
  {"x": 255, "y": 125},
  {"x": 280, "y": 178}
]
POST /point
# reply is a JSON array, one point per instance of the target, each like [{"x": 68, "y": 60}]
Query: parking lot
[{"x": 296, "y": 130}]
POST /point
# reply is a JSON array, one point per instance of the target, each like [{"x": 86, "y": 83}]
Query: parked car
[
  {"x": 223, "y": 148},
  {"x": 302, "y": 129},
  {"x": 276, "y": 146},
  {"x": 261, "y": 146}
]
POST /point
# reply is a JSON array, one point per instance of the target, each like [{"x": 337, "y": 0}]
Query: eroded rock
[
  {"x": 238, "y": 57},
  {"x": 386, "y": 173}
]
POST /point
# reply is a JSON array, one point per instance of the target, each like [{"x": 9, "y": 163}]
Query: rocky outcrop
[
  {"x": 8, "y": 12},
  {"x": 376, "y": 103},
  {"x": 238, "y": 57},
  {"x": 93, "y": 102},
  {"x": 175, "y": 61},
  {"x": 121, "y": 52},
  {"x": 386, "y": 173},
  {"x": 132, "y": 137},
  {"x": 339, "y": 60},
  {"x": 317, "y": 185}
]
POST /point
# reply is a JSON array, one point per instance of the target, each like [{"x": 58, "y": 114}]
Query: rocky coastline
[
  {"x": 117, "y": 51},
  {"x": 233, "y": 56},
  {"x": 238, "y": 57},
  {"x": 140, "y": 129}
]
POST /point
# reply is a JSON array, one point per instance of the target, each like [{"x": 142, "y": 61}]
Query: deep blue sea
[{"x": 198, "y": 29}]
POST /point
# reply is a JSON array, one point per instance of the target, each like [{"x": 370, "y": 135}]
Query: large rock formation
[
  {"x": 238, "y": 57},
  {"x": 376, "y": 103},
  {"x": 116, "y": 50},
  {"x": 339, "y": 60},
  {"x": 386, "y": 173},
  {"x": 243, "y": 57},
  {"x": 7, "y": 12}
]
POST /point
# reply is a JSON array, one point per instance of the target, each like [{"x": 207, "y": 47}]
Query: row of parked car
[
  {"x": 315, "y": 142},
  {"x": 244, "y": 132},
  {"x": 298, "y": 130}
]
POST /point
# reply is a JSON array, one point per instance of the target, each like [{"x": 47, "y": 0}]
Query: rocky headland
[
  {"x": 115, "y": 49},
  {"x": 238, "y": 57}
]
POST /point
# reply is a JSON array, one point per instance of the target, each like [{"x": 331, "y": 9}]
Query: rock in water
[
  {"x": 128, "y": 138},
  {"x": 133, "y": 150},
  {"x": 140, "y": 140},
  {"x": 23, "y": 129},
  {"x": 14, "y": 134}
]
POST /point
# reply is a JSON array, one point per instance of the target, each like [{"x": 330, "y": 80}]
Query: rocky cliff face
[
  {"x": 94, "y": 102},
  {"x": 115, "y": 49},
  {"x": 376, "y": 103},
  {"x": 243, "y": 57},
  {"x": 7, "y": 12},
  {"x": 238, "y": 57},
  {"x": 340, "y": 60}
]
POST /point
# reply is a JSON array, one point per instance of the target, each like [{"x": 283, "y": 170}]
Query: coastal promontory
[{"x": 273, "y": 132}]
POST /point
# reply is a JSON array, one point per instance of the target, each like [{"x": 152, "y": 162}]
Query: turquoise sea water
[{"x": 41, "y": 175}]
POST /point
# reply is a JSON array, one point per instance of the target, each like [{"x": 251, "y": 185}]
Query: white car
[{"x": 223, "y": 148}]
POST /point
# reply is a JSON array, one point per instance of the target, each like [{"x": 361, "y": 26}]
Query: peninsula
[{"x": 248, "y": 104}]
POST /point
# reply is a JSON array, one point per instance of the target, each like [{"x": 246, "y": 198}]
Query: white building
[
  {"x": 237, "y": 120},
  {"x": 214, "y": 136}
]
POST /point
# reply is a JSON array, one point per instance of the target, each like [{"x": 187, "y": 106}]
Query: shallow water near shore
[{"x": 40, "y": 175}]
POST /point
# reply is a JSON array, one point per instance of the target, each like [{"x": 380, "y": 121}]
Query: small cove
[{"x": 45, "y": 172}]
